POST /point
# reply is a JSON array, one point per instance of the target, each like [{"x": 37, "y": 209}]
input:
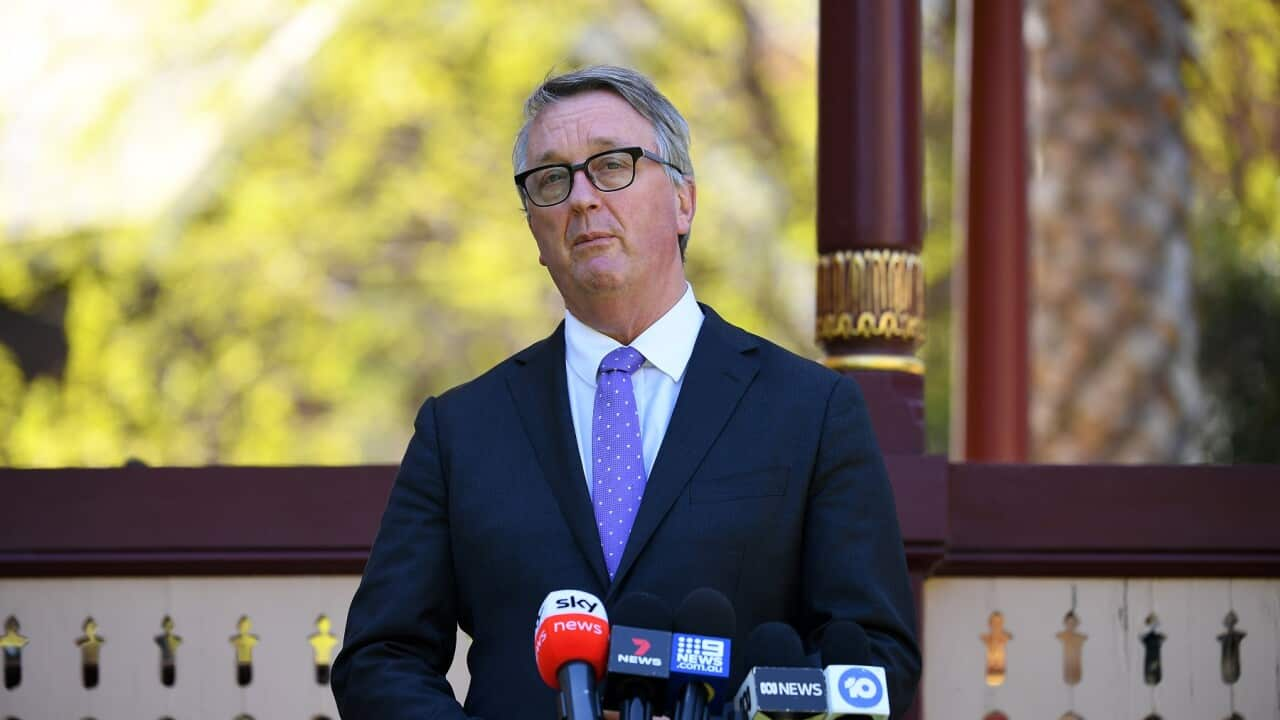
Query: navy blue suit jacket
[{"x": 768, "y": 487}]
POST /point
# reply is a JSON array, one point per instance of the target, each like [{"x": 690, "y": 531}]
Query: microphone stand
[
  {"x": 636, "y": 708},
  {"x": 577, "y": 698},
  {"x": 693, "y": 703}
]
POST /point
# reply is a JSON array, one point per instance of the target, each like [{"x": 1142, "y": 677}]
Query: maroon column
[
  {"x": 993, "y": 287},
  {"x": 870, "y": 291}
]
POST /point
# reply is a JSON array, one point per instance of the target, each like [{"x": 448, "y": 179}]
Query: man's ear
[
  {"x": 686, "y": 205},
  {"x": 528, "y": 221}
]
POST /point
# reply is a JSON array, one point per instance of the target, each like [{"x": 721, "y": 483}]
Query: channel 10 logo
[{"x": 860, "y": 687}]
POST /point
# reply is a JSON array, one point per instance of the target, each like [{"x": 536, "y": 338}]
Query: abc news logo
[
  {"x": 792, "y": 689},
  {"x": 700, "y": 654},
  {"x": 794, "y": 692}
]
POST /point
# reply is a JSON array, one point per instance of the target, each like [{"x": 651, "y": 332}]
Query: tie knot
[{"x": 626, "y": 359}]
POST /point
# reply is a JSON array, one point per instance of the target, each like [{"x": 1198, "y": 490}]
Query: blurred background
[{"x": 263, "y": 231}]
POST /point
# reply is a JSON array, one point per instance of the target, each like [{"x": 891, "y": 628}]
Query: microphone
[
  {"x": 639, "y": 657},
  {"x": 782, "y": 684},
  {"x": 700, "y": 647},
  {"x": 569, "y": 645},
  {"x": 855, "y": 690}
]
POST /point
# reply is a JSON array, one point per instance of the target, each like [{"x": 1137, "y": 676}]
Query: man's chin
[{"x": 600, "y": 275}]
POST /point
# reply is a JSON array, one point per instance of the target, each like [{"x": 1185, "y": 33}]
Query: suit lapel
[
  {"x": 541, "y": 395},
  {"x": 721, "y": 367}
]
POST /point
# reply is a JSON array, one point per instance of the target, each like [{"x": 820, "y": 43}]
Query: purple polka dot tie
[{"x": 617, "y": 457}]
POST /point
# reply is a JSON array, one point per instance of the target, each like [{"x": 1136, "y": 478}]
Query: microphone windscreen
[
  {"x": 844, "y": 642},
  {"x": 572, "y": 626},
  {"x": 642, "y": 610},
  {"x": 774, "y": 644},
  {"x": 706, "y": 612}
]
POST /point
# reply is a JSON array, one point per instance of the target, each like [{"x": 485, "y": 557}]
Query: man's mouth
[{"x": 589, "y": 237}]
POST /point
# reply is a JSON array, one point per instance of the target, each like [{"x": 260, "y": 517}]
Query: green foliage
[
  {"x": 1233, "y": 127},
  {"x": 938, "y": 85},
  {"x": 365, "y": 247}
]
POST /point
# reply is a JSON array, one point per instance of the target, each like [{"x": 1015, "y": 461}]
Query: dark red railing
[{"x": 957, "y": 519}]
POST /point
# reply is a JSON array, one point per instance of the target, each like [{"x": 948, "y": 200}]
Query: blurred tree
[
  {"x": 358, "y": 243},
  {"x": 1233, "y": 124},
  {"x": 1114, "y": 337},
  {"x": 354, "y": 243},
  {"x": 938, "y": 88}
]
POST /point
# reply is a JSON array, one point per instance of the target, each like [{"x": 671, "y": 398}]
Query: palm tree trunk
[{"x": 1113, "y": 333}]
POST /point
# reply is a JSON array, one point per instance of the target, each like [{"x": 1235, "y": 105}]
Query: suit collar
[{"x": 539, "y": 388}]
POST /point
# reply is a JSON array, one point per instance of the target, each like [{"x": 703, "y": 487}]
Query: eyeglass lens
[{"x": 610, "y": 171}]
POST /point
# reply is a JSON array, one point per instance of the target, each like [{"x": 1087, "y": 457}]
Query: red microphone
[{"x": 570, "y": 646}]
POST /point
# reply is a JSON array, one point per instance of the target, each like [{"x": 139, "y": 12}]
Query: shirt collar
[{"x": 667, "y": 344}]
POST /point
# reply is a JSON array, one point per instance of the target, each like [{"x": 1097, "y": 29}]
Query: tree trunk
[{"x": 1113, "y": 334}]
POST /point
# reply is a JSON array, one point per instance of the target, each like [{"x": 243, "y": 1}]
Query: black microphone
[
  {"x": 856, "y": 689},
  {"x": 701, "y": 644},
  {"x": 782, "y": 683},
  {"x": 844, "y": 642},
  {"x": 639, "y": 657}
]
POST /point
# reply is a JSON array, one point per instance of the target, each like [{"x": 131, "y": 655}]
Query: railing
[{"x": 255, "y": 568}]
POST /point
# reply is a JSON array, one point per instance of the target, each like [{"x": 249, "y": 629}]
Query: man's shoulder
[{"x": 775, "y": 360}]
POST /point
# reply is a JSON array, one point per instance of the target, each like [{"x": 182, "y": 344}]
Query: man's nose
[{"x": 583, "y": 195}]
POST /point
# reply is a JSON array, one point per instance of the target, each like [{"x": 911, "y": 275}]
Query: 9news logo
[
  {"x": 700, "y": 654},
  {"x": 860, "y": 687}
]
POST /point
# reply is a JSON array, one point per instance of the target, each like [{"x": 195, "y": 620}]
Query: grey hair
[{"x": 670, "y": 130}]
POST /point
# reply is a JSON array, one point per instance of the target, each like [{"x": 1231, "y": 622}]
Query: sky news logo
[{"x": 701, "y": 655}]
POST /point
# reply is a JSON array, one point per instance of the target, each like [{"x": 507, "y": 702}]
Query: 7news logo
[{"x": 640, "y": 655}]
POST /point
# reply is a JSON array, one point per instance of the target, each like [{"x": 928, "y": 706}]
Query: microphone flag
[
  {"x": 857, "y": 690},
  {"x": 639, "y": 651},
  {"x": 769, "y": 693},
  {"x": 700, "y": 657},
  {"x": 572, "y": 626}
]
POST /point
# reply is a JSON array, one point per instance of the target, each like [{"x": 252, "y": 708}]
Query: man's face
[{"x": 605, "y": 245}]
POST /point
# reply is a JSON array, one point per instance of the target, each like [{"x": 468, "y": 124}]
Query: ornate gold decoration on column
[{"x": 874, "y": 294}]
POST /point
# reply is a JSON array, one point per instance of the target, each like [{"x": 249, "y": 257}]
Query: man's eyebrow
[{"x": 597, "y": 144}]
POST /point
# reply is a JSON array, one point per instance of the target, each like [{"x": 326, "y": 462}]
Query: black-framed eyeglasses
[{"x": 608, "y": 171}]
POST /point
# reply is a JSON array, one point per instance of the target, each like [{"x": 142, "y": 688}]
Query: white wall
[
  {"x": 205, "y": 612},
  {"x": 1111, "y": 614}
]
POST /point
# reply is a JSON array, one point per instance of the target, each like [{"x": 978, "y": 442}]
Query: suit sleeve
[
  {"x": 402, "y": 625},
  {"x": 854, "y": 565}
]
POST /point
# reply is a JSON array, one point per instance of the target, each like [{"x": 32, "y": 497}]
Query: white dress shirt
[{"x": 666, "y": 345}]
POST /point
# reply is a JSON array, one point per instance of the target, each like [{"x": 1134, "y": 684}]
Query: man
[{"x": 646, "y": 445}]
